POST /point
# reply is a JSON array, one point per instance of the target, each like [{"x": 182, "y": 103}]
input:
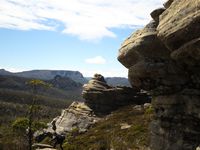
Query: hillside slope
[
  {"x": 62, "y": 87},
  {"x": 16, "y": 96},
  {"x": 126, "y": 128}
]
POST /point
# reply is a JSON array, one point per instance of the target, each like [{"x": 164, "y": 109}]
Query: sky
[{"x": 79, "y": 35}]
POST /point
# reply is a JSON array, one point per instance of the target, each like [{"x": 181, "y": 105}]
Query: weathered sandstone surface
[{"x": 163, "y": 59}]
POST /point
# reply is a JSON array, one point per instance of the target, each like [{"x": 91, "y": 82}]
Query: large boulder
[
  {"x": 163, "y": 58},
  {"x": 148, "y": 60},
  {"x": 77, "y": 117},
  {"x": 142, "y": 44},
  {"x": 179, "y": 23},
  {"x": 103, "y": 99}
]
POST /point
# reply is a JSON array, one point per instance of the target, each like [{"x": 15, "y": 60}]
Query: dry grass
[{"x": 108, "y": 134}]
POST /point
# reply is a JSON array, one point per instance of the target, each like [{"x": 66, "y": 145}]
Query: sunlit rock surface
[{"x": 163, "y": 59}]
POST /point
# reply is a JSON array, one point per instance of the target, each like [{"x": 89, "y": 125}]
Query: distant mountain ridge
[
  {"x": 47, "y": 74},
  {"x": 5, "y": 72},
  {"x": 74, "y": 75}
]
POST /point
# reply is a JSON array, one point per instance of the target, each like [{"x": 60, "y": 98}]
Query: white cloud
[
  {"x": 123, "y": 72},
  {"x": 12, "y": 69},
  {"x": 87, "y": 19},
  {"x": 96, "y": 60}
]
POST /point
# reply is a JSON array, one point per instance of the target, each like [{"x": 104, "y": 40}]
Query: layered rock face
[
  {"x": 103, "y": 99},
  {"x": 163, "y": 58},
  {"x": 77, "y": 116}
]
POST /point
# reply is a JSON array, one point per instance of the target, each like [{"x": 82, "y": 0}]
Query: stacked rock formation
[
  {"x": 163, "y": 58},
  {"x": 103, "y": 99}
]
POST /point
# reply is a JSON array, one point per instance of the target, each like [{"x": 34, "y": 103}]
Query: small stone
[
  {"x": 147, "y": 105},
  {"x": 125, "y": 126},
  {"x": 41, "y": 146},
  {"x": 138, "y": 107}
]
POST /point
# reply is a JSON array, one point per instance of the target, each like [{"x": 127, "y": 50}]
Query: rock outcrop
[
  {"x": 163, "y": 58},
  {"x": 103, "y": 99},
  {"x": 77, "y": 116},
  {"x": 100, "y": 99}
]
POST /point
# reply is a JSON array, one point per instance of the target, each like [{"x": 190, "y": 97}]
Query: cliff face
[{"x": 163, "y": 58}]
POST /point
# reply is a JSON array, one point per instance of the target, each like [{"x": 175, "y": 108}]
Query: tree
[
  {"x": 35, "y": 84},
  {"x": 20, "y": 126},
  {"x": 27, "y": 125}
]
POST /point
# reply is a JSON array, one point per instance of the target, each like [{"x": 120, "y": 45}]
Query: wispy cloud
[
  {"x": 96, "y": 60},
  {"x": 87, "y": 19}
]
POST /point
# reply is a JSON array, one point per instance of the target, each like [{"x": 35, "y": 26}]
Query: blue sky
[{"x": 82, "y": 35}]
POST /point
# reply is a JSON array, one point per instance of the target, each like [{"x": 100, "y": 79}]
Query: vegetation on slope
[
  {"x": 15, "y": 100},
  {"x": 124, "y": 129},
  {"x": 62, "y": 87},
  {"x": 23, "y": 97},
  {"x": 9, "y": 112}
]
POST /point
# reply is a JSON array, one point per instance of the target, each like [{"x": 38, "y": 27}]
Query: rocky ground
[{"x": 125, "y": 128}]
